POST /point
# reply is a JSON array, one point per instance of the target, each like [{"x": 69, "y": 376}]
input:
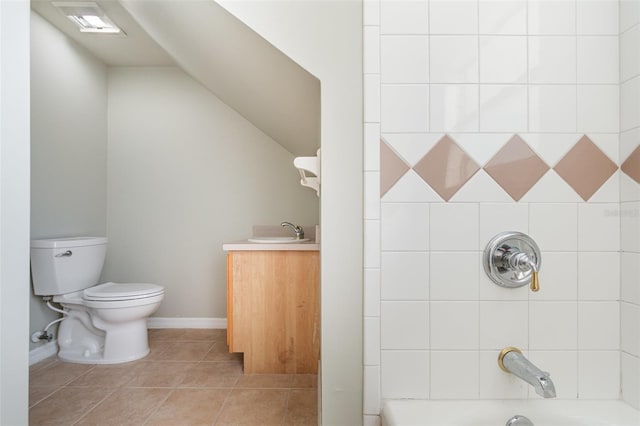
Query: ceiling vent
[{"x": 88, "y": 17}]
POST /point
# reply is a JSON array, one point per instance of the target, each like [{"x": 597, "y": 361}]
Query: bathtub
[{"x": 498, "y": 412}]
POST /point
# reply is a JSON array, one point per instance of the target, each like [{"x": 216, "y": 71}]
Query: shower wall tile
[
  {"x": 371, "y": 339},
  {"x": 630, "y": 277},
  {"x": 371, "y": 420},
  {"x": 599, "y": 325},
  {"x": 554, "y": 226},
  {"x": 404, "y": 108},
  {"x": 371, "y": 192},
  {"x": 599, "y": 373},
  {"x": 404, "y": 325},
  {"x": 629, "y": 14},
  {"x": 630, "y": 227},
  {"x": 371, "y": 13},
  {"x": 552, "y": 108},
  {"x": 371, "y": 390},
  {"x": 503, "y": 59},
  {"x": 597, "y": 60},
  {"x": 598, "y": 275},
  {"x": 563, "y": 366},
  {"x": 404, "y": 17},
  {"x": 371, "y": 47},
  {"x": 454, "y": 226},
  {"x": 371, "y": 108},
  {"x": 372, "y": 147},
  {"x": 630, "y": 104},
  {"x": 459, "y": 68},
  {"x": 405, "y": 227},
  {"x": 371, "y": 244},
  {"x": 597, "y": 17},
  {"x": 503, "y": 108},
  {"x": 453, "y": 17},
  {"x": 598, "y": 108},
  {"x": 502, "y": 17},
  {"x": 503, "y": 324},
  {"x": 372, "y": 292},
  {"x": 405, "y": 59},
  {"x": 454, "y": 325},
  {"x": 630, "y": 318},
  {"x": 404, "y": 374},
  {"x": 631, "y": 379},
  {"x": 556, "y": 17},
  {"x": 629, "y": 54},
  {"x": 552, "y": 60},
  {"x": 598, "y": 227},
  {"x": 454, "y": 108},
  {"x": 405, "y": 276},
  {"x": 553, "y": 325},
  {"x": 463, "y": 365},
  {"x": 463, "y": 266}
]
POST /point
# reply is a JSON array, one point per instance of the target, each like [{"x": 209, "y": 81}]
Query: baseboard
[
  {"x": 157, "y": 322},
  {"x": 43, "y": 352}
]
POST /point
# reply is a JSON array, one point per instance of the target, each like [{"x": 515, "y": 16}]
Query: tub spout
[{"x": 512, "y": 361}]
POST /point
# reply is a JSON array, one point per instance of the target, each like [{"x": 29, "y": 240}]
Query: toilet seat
[{"x": 121, "y": 292}]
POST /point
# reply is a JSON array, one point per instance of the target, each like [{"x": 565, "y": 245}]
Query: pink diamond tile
[
  {"x": 516, "y": 168},
  {"x": 392, "y": 168},
  {"x": 631, "y": 165},
  {"x": 585, "y": 168},
  {"x": 446, "y": 167}
]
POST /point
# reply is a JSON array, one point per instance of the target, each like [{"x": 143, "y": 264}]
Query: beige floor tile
[
  {"x": 304, "y": 381},
  {"x": 261, "y": 407},
  {"x": 264, "y": 381},
  {"x": 209, "y": 335},
  {"x": 125, "y": 406},
  {"x": 58, "y": 373},
  {"x": 220, "y": 352},
  {"x": 302, "y": 408},
  {"x": 66, "y": 406},
  {"x": 212, "y": 375},
  {"x": 43, "y": 364},
  {"x": 109, "y": 375},
  {"x": 160, "y": 374},
  {"x": 156, "y": 347},
  {"x": 189, "y": 407},
  {"x": 184, "y": 351},
  {"x": 171, "y": 334},
  {"x": 38, "y": 393}
]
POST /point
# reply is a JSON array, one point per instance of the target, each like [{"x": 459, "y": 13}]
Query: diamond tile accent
[
  {"x": 631, "y": 165},
  {"x": 446, "y": 167},
  {"x": 392, "y": 167},
  {"x": 516, "y": 168},
  {"x": 585, "y": 168}
]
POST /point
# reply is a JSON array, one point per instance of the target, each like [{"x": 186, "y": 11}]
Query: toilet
[{"x": 104, "y": 323}]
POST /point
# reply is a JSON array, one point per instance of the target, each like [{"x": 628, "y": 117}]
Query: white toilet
[{"x": 105, "y": 323}]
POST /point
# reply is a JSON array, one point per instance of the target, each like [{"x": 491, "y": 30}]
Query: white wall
[
  {"x": 325, "y": 38},
  {"x": 14, "y": 211},
  {"x": 68, "y": 143},
  {"x": 630, "y": 201},
  {"x": 481, "y": 72},
  {"x": 186, "y": 174}
]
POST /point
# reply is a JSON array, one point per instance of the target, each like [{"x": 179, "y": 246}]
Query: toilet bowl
[{"x": 105, "y": 323}]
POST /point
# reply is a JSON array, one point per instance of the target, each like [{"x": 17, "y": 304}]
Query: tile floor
[{"x": 189, "y": 378}]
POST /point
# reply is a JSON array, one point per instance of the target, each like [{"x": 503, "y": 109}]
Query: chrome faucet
[
  {"x": 512, "y": 361},
  {"x": 296, "y": 228}
]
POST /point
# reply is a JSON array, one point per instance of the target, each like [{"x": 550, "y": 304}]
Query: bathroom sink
[{"x": 277, "y": 240}]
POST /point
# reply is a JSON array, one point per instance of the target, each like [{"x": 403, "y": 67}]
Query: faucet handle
[{"x": 535, "y": 283}]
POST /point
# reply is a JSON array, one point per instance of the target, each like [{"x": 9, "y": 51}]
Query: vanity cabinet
[{"x": 272, "y": 310}]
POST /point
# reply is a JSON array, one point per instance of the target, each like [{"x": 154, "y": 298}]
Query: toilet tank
[{"x": 65, "y": 265}]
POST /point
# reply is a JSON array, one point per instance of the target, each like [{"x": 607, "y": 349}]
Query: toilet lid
[{"x": 115, "y": 291}]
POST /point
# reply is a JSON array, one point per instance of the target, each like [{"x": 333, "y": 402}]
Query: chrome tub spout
[{"x": 512, "y": 361}]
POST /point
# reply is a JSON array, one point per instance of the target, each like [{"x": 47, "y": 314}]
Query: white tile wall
[{"x": 481, "y": 71}]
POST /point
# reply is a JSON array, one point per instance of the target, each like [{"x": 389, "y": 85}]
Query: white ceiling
[{"x": 240, "y": 67}]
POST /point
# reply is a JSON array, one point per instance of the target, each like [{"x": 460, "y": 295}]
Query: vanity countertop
[{"x": 246, "y": 245}]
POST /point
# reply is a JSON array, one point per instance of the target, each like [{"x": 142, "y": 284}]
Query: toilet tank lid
[{"x": 68, "y": 242}]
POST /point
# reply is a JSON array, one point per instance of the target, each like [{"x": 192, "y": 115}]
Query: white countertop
[{"x": 246, "y": 245}]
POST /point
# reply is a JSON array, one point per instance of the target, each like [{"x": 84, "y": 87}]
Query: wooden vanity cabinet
[{"x": 272, "y": 310}]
